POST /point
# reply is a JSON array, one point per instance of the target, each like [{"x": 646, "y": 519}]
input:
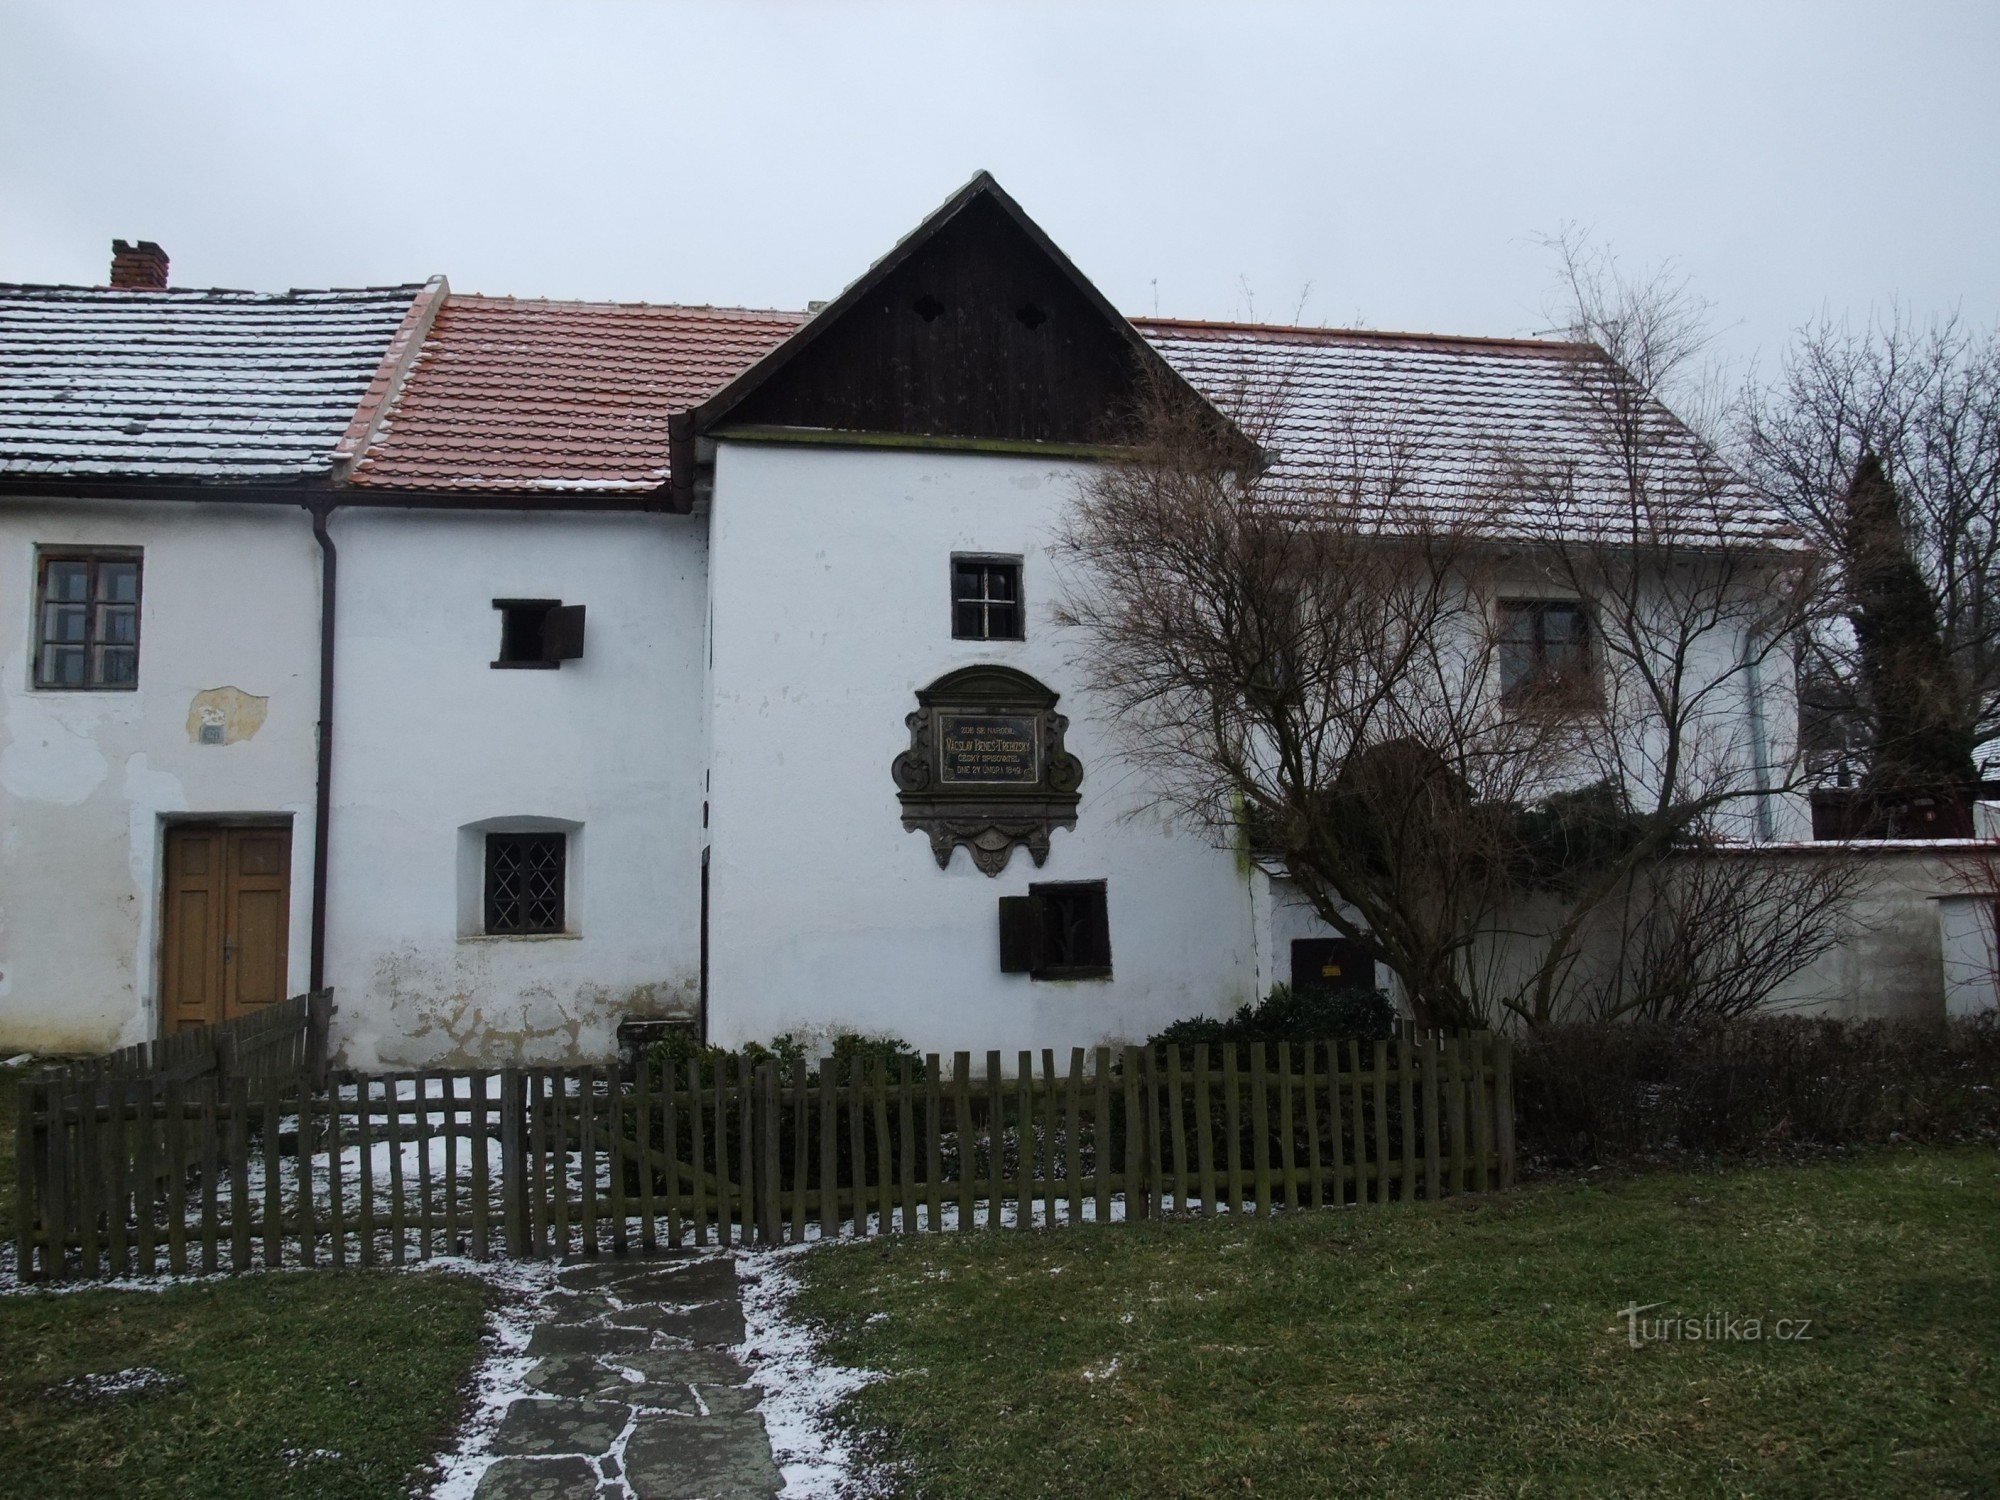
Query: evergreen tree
[{"x": 1921, "y": 736}]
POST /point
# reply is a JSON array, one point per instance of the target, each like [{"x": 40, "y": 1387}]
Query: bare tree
[
  {"x": 1711, "y": 933},
  {"x": 1318, "y": 661},
  {"x": 1923, "y": 398},
  {"x": 1697, "y": 601}
]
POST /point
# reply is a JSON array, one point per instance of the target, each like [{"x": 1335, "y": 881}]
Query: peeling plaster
[
  {"x": 224, "y": 715},
  {"x": 422, "y": 1010},
  {"x": 46, "y": 760}
]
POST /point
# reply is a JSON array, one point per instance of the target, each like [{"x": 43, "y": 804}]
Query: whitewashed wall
[
  {"x": 433, "y": 745},
  {"x": 1971, "y": 953},
  {"x": 229, "y": 598},
  {"x": 831, "y": 583}
]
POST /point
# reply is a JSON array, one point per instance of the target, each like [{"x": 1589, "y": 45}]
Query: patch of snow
[
  {"x": 501, "y": 1378},
  {"x": 138, "y": 1380},
  {"x": 800, "y": 1388}
]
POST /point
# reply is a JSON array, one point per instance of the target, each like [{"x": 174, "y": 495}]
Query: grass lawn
[
  {"x": 267, "y": 1377},
  {"x": 268, "y": 1370},
  {"x": 1468, "y": 1348}
]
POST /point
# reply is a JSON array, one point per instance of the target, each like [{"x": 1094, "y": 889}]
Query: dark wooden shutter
[
  {"x": 1020, "y": 934},
  {"x": 562, "y": 633}
]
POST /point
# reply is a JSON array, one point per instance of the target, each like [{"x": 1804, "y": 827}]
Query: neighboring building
[
  {"x": 685, "y": 662},
  {"x": 159, "y": 689}
]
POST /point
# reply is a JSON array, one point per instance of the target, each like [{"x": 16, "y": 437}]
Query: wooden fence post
[
  {"x": 766, "y": 1170},
  {"x": 30, "y": 1103},
  {"x": 1503, "y": 1108},
  {"x": 319, "y": 1030},
  {"x": 513, "y": 1162}
]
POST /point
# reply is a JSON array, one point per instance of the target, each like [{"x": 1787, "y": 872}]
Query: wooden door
[{"x": 227, "y": 918}]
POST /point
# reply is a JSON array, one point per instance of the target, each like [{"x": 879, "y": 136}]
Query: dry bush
[{"x": 1598, "y": 1092}]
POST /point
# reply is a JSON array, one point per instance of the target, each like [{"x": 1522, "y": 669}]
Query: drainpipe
[
  {"x": 1760, "y": 748},
  {"x": 329, "y": 565}
]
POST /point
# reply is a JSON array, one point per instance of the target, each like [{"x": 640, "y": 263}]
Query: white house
[{"x": 520, "y": 669}]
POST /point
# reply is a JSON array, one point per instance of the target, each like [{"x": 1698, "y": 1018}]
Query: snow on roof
[
  {"x": 1465, "y": 416},
  {"x": 189, "y": 385},
  {"x": 511, "y": 395}
]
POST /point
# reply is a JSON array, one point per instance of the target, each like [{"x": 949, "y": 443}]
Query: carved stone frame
[{"x": 988, "y": 819}]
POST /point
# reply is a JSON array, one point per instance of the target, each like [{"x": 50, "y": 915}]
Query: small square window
[
  {"x": 1057, "y": 931},
  {"x": 87, "y": 621},
  {"x": 538, "y": 632},
  {"x": 1545, "y": 651},
  {"x": 525, "y": 874},
  {"x": 986, "y": 599}
]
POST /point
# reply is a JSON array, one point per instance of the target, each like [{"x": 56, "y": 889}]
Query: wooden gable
[{"x": 976, "y": 328}]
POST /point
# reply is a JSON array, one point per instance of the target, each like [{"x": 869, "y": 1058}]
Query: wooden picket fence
[
  {"x": 553, "y": 1162},
  {"x": 282, "y": 1039}
]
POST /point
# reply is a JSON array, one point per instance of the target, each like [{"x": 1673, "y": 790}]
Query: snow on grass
[
  {"x": 800, "y": 1388},
  {"x": 501, "y": 1378},
  {"x": 138, "y": 1380}
]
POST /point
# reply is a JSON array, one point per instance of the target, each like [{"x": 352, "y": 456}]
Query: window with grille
[
  {"x": 87, "y": 625},
  {"x": 524, "y": 882},
  {"x": 1545, "y": 652},
  {"x": 986, "y": 598}
]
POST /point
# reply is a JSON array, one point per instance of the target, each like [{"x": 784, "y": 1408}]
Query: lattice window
[
  {"x": 87, "y": 630},
  {"x": 1545, "y": 651},
  {"x": 524, "y": 882},
  {"x": 986, "y": 599}
]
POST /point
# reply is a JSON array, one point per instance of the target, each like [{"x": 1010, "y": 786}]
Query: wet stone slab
[
  {"x": 706, "y": 1323},
  {"x": 716, "y": 1458},
  {"x": 540, "y": 1479},
  {"x": 636, "y": 1349},
  {"x": 686, "y": 1366},
  {"x": 593, "y": 1275},
  {"x": 557, "y": 1426},
  {"x": 610, "y": 1379},
  {"x": 729, "y": 1400},
  {"x": 694, "y": 1281},
  {"x": 587, "y": 1338},
  {"x": 576, "y": 1307}
]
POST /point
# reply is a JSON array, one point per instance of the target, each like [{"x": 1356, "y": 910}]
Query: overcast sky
[{"x": 1389, "y": 166}]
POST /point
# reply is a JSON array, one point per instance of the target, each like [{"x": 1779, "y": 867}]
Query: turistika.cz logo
[{"x": 1708, "y": 1328}]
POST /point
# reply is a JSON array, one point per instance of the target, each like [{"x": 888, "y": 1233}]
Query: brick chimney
[{"x": 140, "y": 267}]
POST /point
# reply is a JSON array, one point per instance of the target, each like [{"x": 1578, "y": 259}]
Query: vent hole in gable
[
  {"x": 928, "y": 308},
  {"x": 1028, "y": 315}
]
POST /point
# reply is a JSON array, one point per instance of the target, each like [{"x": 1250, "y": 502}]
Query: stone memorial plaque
[
  {"x": 986, "y": 767},
  {"x": 980, "y": 749}
]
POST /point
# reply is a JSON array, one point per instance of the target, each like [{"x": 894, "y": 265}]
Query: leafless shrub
[
  {"x": 1592, "y": 1092},
  {"x": 1711, "y": 934}
]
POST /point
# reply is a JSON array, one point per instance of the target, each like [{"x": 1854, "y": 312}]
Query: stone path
[{"x": 640, "y": 1398}]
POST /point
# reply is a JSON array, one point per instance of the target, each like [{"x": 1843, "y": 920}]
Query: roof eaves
[{"x": 1289, "y": 333}]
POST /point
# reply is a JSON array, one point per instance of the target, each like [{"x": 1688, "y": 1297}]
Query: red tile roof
[
  {"x": 518, "y": 396},
  {"x": 513, "y": 395}
]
